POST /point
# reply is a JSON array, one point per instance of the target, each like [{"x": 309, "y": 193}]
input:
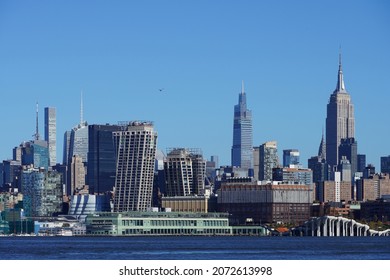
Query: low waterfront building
[
  {"x": 164, "y": 223},
  {"x": 265, "y": 203},
  {"x": 4, "y": 227},
  {"x": 376, "y": 210},
  {"x": 59, "y": 226},
  {"x": 89, "y": 204}
]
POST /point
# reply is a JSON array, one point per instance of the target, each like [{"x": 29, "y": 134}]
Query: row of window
[
  {"x": 177, "y": 223},
  {"x": 170, "y": 231}
]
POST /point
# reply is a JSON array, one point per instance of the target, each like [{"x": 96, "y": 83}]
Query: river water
[{"x": 195, "y": 248}]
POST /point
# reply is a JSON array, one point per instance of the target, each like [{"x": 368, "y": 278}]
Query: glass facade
[
  {"x": 242, "y": 149},
  {"x": 35, "y": 153},
  {"x": 290, "y": 157},
  {"x": 385, "y": 164},
  {"x": 101, "y": 158},
  {"x": 78, "y": 144},
  {"x": 65, "y": 152},
  {"x": 42, "y": 192},
  {"x": 89, "y": 204}
]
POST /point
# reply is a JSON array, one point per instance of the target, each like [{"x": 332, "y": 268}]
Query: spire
[
  {"x": 242, "y": 98},
  {"x": 340, "y": 87},
  {"x": 322, "y": 148},
  {"x": 36, "y": 135}
]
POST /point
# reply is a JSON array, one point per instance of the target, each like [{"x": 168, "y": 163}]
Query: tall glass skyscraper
[
  {"x": 136, "y": 151},
  {"x": 78, "y": 144},
  {"x": 78, "y": 140},
  {"x": 340, "y": 120},
  {"x": 65, "y": 150},
  {"x": 51, "y": 134},
  {"x": 101, "y": 158},
  {"x": 242, "y": 149}
]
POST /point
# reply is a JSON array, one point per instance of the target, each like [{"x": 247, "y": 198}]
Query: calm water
[{"x": 194, "y": 248}]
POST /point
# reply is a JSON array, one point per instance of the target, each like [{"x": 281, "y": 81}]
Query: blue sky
[{"x": 119, "y": 53}]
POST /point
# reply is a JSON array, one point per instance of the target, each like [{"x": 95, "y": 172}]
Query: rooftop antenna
[{"x": 36, "y": 135}]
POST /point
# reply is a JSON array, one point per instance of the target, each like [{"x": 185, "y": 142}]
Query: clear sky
[{"x": 120, "y": 53}]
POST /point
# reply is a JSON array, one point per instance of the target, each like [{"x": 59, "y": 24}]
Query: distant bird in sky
[{"x": 161, "y": 89}]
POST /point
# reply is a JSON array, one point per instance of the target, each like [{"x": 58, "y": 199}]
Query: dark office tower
[
  {"x": 385, "y": 164},
  {"x": 348, "y": 149},
  {"x": 242, "y": 149},
  {"x": 321, "y": 169},
  {"x": 51, "y": 134},
  {"x": 17, "y": 153},
  {"x": 340, "y": 120},
  {"x": 290, "y": 158},
  {"x": 10, "y": 170},
  {"x": 65, "y": 152},
  {"x": 135, "y": 147},
  {"x": 369, "y": 171},
  {"x": 101, "y": 158},
  {"x": 361, "y": 163}
]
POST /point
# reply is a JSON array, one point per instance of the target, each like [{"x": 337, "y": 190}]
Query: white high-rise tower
[
  {"x": 51, "y": 134},
  {"x": 135, "y": 151}
]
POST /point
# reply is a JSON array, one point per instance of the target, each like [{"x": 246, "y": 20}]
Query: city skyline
[{"x": 285, "y": 54}]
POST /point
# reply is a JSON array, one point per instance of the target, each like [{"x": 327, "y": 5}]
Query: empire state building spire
[{"x": 340, "y": 87}]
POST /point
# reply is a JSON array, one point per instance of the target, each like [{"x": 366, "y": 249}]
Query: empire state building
[{"x": 340, "y": 120}]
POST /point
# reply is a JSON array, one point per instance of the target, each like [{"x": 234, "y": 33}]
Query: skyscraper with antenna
[
  {"x": 340, "y": 119},
  {"x": 35, "y": 152},
  {"x": 242, "y": 149},
  {"x": 79, "y": 137},
  {"x": 36, "y": 135}
]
